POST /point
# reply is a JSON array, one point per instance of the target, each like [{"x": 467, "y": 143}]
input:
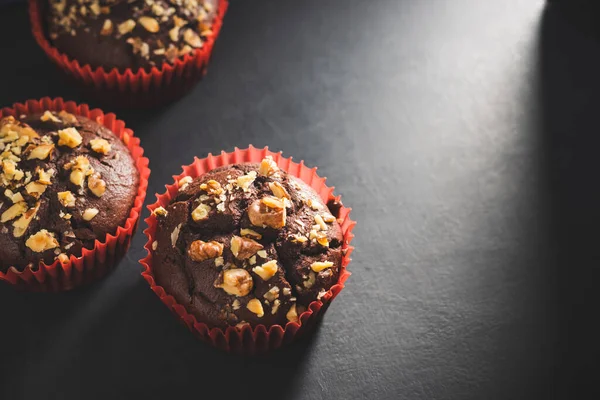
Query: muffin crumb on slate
[
  {"x": 65, "y": 181},
  {"x": 130, "y": 33},
  {"x": 246, "y": 244}
]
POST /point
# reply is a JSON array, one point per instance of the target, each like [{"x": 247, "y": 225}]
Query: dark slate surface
[{"x": 465, "y": 136}]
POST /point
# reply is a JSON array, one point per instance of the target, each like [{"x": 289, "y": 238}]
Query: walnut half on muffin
[
  {"x": 65, "y": 181},
  {"x": 129, "y": 34},
  {"x": 246, "y": 244}
]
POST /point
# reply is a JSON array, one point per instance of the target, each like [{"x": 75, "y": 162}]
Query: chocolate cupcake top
[
  {"x": 65, "y": 181},
  {"x": 130, "y": 33},
  {"x": 246, "y": 244}
]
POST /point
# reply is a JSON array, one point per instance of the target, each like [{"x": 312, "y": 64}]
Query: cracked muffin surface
[
  {"x": 246, "y": 244},
  {"x": 65, "y": 181}
]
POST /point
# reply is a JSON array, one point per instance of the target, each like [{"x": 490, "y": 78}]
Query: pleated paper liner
[
  {"x": 130, "y": 88},
  {"x": 249, "y": 340},
  {"x": 96, "y": 262}
]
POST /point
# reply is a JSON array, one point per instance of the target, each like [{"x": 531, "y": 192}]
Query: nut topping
[
  {"x": 256, "y": 307},
  {"x": 126, "y": 26},
  {"x": 319, "y": 266},
  {"x": 250, "y": 232},
  {"x": 48, "y": 116},
  {"x": 244, "y": 248},
  {"x": 150, "y": 24},
  {"x": 13, "y": 212},
  {"x": 41, "y": 241},
  {"x": 212, "y": 187},
  {"x": 100, "y": 146},
  {"x": 292, "y": 314},
  {"x": 245, "y": 181},
  {"x": 260, "y": 214},
  {"x": 236, "y": 281},
  {"x": 278, "y": 190},
  {"x": 267, "y": 270},
  {"x": 201, "y": 212},
  {"x": 268, "y": 167},
  {"x": 22, "y": 223},
  {"x": 96, "y": 185},
  {"x": 192, "y": 38},
  {"x": 107, "y": 28},
  {"x": 201, "y": 251},
  {"x": 69, "y": 137},
  {"x": 41, "y": 152},
  {"x": 89, "y": 214}
]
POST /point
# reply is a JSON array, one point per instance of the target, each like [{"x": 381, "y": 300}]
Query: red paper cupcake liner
[
  {"x": 251, "y": 340},
  {"x": 131, "y": 88},
  {"x": 96, "y": 262}
]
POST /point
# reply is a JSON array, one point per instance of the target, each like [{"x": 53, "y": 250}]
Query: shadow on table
[
  {"x": 152, "y": 357},
  {"x": 569, "y": 94}
]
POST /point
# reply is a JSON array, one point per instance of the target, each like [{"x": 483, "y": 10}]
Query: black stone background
[{"x": 465, "y": 136}]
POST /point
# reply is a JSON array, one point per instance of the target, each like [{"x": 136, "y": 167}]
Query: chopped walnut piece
[
  {"x": 41, "y": 241},
  {"x": 96, "y": 185},
  {"x": 160, "y": 211},
  {"x": 66, "y": 199},
  {"x": 13, "y": 211},
  {"x": 292, "y": 314},
  {"x": 250, "y": 232},
  {"x": 244, "y": 248},
  {"x": 267, "y": 270},
  {"x": 268, "y": 167},
  {"x": 63, "y": 258},
  {"x": 313, "y": 204},
  {"x": 319, "y": 266},
  {"x": 192, "y": 38},
  {"x": 328, "y": 218},
  {"x": 262, "y": 253},
  {"x": 256, "y": 307},
  {"x": 273, "y": 203},
  {"x": 41, "y": 152},
  {"x": 212, "y": 187},
  {"x": 201, "y": 212},
  {"x": 35, "y": 189},
  {"x": 201, "y": 251},
  {"x": 150, "y": 24},
  {"x": 322, "y": 239},
  {"x": 67, "y": 117},
  {"x": 236, "y": 281},
  {"x": 107, "y": 28},
  {"x": 126, "y": 27},
  {"x": 184, "y": 182},
  {"x": 245, "y": 181},
  {"x": 21, "y": 225},
  {"x": 272, "y": 294},
  {"x": 101, "y": 146},
  {"x": 174, "y": 34},
  {"x": 278, "y": 190},
  {"x": 89, "y": 214},
  {"x": 320, "y": 222},
  {"x": 69, "y": 137},
  {"x": 262, "y": 215},
  {"x": 48, "y": 116},
  {"x": 44, "y": 177},
  {"x": 95, "y": 8}
]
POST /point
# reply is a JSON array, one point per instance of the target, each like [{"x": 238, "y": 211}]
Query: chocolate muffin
[
  {"x": 246, "y": 244},
  {"x": 65, "y": 181},
  {"x": 129, "y": 34}
]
